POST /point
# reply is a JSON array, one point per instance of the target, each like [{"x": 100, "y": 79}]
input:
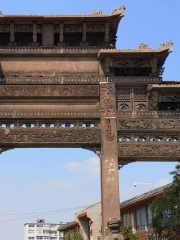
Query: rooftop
[{"x": 147, "y": 195}]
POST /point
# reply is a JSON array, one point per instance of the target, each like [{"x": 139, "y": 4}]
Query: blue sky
[{"x": 42, "y": 180}]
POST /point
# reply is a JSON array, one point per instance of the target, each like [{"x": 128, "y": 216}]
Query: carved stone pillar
[
  {"x": 61, "y": 36},
  {"x": 107, "y": 34},
  {"x": 109, "y": 157},
  {"x": 12, "y": 33},
  {"x": 34, "y": 34},
  {"x": 84, "y": 35}
]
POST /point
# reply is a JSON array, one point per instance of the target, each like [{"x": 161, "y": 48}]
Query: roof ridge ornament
[
  {"x": 144, "y": 46},
  {"x": 168, "y": 45},
  {"x": 120, "y": 10},
  {"x": 97, "y": 13}
]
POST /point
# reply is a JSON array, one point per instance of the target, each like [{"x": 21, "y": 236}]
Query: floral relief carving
[
  {"x": 49, "y": 136},
  {"x": 151, "y": 150},
  {"x": 151, "y": 124},
  {"x": 49, "y": 91}
]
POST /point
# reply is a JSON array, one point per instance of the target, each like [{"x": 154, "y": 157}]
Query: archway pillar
[{"x": 109, "y": 157}]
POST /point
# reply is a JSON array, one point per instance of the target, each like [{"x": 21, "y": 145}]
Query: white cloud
[
  {"x": 89, "y": 167},
  {"x": 86, "y": 171}
]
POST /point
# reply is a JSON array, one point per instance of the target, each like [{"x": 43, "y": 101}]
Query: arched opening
[{"x": 52, "y": 183}]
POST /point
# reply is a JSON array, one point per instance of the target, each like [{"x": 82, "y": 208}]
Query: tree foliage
[
  {"x": 166, "y": 210},
  {"x": 73, "y": 235},
  {"x": 128, "y": 233}
]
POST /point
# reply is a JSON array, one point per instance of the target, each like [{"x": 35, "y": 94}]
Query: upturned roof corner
[
  {"x": 120, "y": 11},
  {"x": 167, "y": 46}
]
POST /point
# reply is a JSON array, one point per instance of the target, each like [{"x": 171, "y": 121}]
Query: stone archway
[{"x": 76, "y": 90}]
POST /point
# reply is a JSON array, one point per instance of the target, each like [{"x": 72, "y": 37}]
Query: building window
[
  {"x": 140, "y": 220},
  {"x": 149, "y": 218},
  {"x": 126, "y": 220},
  {"x": 31, "y": 225}
]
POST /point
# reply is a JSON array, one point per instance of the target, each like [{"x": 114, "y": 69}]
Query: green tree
[
  {"x": 166, "y": 210},
  {"x": 128, "y": 233},
  {"x": 73, "y": 235}
]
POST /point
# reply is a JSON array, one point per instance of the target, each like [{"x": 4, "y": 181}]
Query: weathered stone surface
[
  {"x": 50, "y": 91},
  {"x": 54, "y": 135},
  {"x": 150, "y": 150},
  {"x": 149, "y": 124}
]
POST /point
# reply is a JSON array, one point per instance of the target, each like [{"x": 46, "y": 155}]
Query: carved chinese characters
[
  {"x": 150, "y": 124},
  {"x": 109, "y": 134},
  {"x": 49, "y": 91},
  {"x": 19, "y": 135}
]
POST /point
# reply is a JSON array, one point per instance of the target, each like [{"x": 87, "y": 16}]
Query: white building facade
[{"x": 42, "y": 231}]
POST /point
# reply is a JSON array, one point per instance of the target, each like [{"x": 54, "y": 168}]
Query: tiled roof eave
[
  {"x": 115, "y": 52},
  {"x": 62, "y": 16}
]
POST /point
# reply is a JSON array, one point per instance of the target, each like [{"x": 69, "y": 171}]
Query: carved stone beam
[
  {"x": 12, "y": 33},
  {"x": 150, "y": 151},
  {"x": 149, "y": 125}
]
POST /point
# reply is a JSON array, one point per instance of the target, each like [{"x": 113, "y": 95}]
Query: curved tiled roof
[{"x": 147, "y": 195}]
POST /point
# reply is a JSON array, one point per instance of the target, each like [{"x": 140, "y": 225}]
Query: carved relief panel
[
  {"x": 149, "y": 124},
  {"x": 51, "y": 91},
  {"x": 48, "y": 136},
  {"x": 107, "y": 96},
  {"x": 151, "y": 151}
]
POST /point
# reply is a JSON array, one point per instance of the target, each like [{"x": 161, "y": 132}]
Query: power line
[{"x": 43, "y": 214}]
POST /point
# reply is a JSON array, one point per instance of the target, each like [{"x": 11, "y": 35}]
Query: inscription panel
[
  {"x": 149, "y": 124},
  {"x": 15, "y": 91},
  {"x": 49, "y": 136}
]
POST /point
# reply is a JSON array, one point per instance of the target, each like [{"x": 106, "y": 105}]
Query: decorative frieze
[
  {"x": 149, "y": 150},
  {"x": 84, "y": 136},
  {"x": 49, "y": 91},
  {"x": 149, "y": 124},
  {"x": 4, "y": 28},
  {"x": 72, "y": 28},
  {"x": 23, "y": 28},
  {"x": 95, "y": 28},
  {"x": 46, "y": 114}
]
